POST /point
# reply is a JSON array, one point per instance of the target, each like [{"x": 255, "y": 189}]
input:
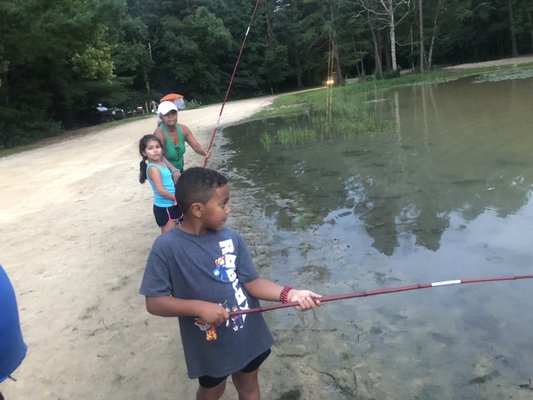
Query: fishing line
[
  {"x": 231, "y": 79},
  {"x": 376, "y": 292}
]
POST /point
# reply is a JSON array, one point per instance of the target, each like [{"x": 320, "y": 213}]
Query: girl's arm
[
  {"x": 193, "y": 142},
  {"x": 265, "y": 289},
  {"x": 168, "y": 306},
  {"x": 155, "y": 176}
]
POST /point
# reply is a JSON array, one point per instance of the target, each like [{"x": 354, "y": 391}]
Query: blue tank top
[
  {"x": 12, "y": 346},
  {"x": 168, "y": 184}
]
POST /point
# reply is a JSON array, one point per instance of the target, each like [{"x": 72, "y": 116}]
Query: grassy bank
[{"x": 351, "y": 109}]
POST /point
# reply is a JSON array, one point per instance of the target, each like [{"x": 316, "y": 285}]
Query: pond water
[{"x": 443, "y": 192}]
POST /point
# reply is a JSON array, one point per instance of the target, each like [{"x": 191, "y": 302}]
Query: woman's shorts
[
  {"x": 209, "y": 382},
  {"x": 165, "y": 214}
]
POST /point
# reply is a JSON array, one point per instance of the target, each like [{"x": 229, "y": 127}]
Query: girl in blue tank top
[{"x": 166, "y": 211}]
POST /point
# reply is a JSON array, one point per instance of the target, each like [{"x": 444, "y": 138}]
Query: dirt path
[
  {"x": 494, "y": 63},
  {"x": 76, "y": 228}
]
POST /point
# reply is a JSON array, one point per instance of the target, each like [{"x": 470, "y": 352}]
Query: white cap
[{"x": 165, "y": 107}]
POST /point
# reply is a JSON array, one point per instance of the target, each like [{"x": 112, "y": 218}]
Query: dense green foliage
[{"x": 60, "y": 58}]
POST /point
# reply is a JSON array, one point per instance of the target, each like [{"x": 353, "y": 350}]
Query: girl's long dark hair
[{"x": 142, "y": 146}]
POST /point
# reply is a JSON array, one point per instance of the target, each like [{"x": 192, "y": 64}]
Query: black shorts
[
  {"x": 164, "y": 214},
  {"x": 209, "y": 382}
]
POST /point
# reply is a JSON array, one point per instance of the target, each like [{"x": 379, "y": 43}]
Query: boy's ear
[{"x": 196, "y": 209}]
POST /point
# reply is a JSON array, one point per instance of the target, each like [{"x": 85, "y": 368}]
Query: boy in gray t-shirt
[{"x": 200, "y": 272}]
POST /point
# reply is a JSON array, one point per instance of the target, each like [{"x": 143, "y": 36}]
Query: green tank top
[{"x": 174, "y": 153}]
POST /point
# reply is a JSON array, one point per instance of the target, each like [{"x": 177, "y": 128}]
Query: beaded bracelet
[{"x": 284, "y": 293}]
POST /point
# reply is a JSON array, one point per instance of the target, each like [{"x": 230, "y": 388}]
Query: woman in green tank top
[{"x": 173, "y": 137}]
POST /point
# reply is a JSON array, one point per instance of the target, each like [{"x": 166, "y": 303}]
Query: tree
[
  {"x": 49, "y": 51},
  {"x": 303, "y": 31},
  {"x": 193, "y": 59}
]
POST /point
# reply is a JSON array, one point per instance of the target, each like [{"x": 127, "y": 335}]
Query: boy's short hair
[{"x": 197, "y": 185}]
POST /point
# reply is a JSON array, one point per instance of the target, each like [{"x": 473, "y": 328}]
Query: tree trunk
[
  {"x": 146, "y": 82},
  {"x": 412, "y": 48},
  {"x": 355, "y": 55},
  {"x": 421, "y": 34},
  {"x": 146, "y": 71},
  {"x": 512, "y": 29},
  {"x": 335, "y": 48},
  {"x": 392, "y": 35},
  {"x": 378, "y": 71},
  {"x": 389, "y": 9},
  {"x": 434, "y": 34},
  {"x": 387, "y": 55},
  {"x": 530, "y": 20},
  {"x": 298, "y": 70},
  {"x": 377, "y": 56}
]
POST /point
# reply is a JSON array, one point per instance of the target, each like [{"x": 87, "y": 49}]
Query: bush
[{"x": 24, "y": 127}]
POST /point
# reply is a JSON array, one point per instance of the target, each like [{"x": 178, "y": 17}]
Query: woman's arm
[
  {"x": 155, "y": 176},
  {"x": 265, "y": 289},
  {"x": 193, "y": 142},
  {"x": 173, "y": 170},
  {"x": 168, "y": 306}
]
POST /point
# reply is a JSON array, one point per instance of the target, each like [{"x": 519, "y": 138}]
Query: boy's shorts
[
  {"x": 164, "y": 214},
  {"x": 209, "y": 382}
]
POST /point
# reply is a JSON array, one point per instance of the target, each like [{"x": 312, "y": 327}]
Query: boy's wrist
[{"x": 284, "y": 295}]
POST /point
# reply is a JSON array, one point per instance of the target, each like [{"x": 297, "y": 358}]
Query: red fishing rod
[
  {"x": 376, "y": 292},
  {"x": 231, "y": 80}
]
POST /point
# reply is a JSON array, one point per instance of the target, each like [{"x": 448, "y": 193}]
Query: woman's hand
[
  {"x": 306, "y": 299},
  {"x": 176, "y": 175}
]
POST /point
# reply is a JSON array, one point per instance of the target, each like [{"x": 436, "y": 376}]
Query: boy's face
[{"x": 217, "y": 209}]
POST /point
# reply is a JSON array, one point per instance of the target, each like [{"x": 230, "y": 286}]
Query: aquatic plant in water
[
  {"x": 345, "y": 113},
  {"x": 504, "y": 75}
]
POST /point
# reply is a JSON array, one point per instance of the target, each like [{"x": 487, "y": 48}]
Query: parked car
[
  {"x": 117, "y": 113},
  {"x": 136, "y": 111},
  {"x": 100, "y": 114}
]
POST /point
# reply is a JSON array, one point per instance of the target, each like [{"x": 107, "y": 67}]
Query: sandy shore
[{"x": 76, "y": 228}]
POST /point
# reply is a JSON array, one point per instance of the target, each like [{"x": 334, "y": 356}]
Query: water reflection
[
  {"x": 443, "y": 193},
  {"x": 456, "y": 147}
]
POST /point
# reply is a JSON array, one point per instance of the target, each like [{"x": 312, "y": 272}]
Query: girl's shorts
[
  {"x": 165, "y": 214},
  {"x": 209, "y": 382}
]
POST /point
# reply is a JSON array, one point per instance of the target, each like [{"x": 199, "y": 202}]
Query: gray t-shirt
[{"x": 212, "y": 267}]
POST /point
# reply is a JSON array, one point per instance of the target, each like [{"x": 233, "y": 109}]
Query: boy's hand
[
  {"x": 214, "y": 314},
  {"x": 305, "y": 298}
]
